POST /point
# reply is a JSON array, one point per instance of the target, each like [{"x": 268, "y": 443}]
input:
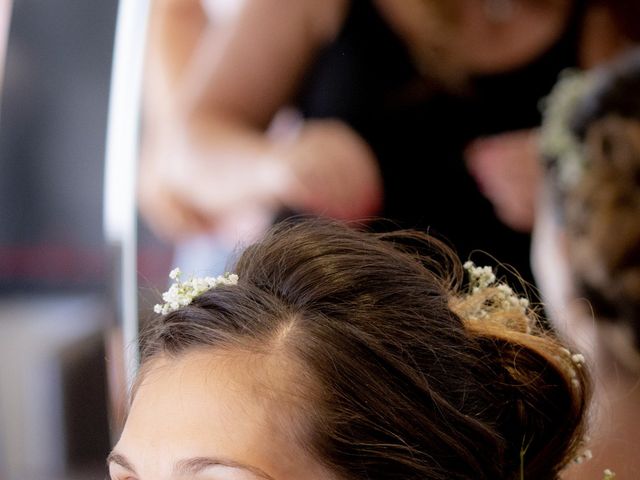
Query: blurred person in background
[
  {"x": 586, "y": 246},
  {"x": 395, "y": 100}
]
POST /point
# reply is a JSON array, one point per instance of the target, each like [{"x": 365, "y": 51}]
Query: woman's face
[
  {"x": 214, "y": 416},
  {"x": 479, "y": 41}
]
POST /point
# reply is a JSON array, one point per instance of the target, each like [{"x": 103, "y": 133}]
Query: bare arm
[
  {"x": 238, "y": 74},
  {"x": 257, "y": 60}
]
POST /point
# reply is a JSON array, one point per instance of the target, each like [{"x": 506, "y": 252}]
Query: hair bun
[{"x": 537, "y": 375}]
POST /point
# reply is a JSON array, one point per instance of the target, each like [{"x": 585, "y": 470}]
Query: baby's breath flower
[
  {"x": 498, "y": 295},
  {"x": 578, "y": 359},
  {"x": 571, "y": 361},
  {"x": 479, "y": 277},
  {"x": 608, "y": 475},
  {"x": 583, "y": 457},
  {"x": 175, "y": 274},
  {"x": 181, "y": 293},
  {"x": 557, "y": 142}
]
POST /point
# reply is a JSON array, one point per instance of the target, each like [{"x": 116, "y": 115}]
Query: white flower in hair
[
  {"x": 557, "y": 141},
  {"x": 182, "y": 293},
  {"x": 583, "y": 457},
  {"x": 575, "y": 360},
  {"x": 481, "y": 279}
]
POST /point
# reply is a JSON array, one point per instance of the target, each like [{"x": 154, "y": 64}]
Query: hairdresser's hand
[
  {"x": 324, "y": 168},
  {"x": 185, "y": 192},
  {"x": 334, "y": 172},
  {"x": 506, "y": 168},
  {"x": 160, "y": 202}
]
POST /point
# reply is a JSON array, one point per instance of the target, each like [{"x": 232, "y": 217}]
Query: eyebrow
[
  {"x": 120, "y": 460},
  {"x": 197, "y": 464},
  {"x": 192, "y": 466}
]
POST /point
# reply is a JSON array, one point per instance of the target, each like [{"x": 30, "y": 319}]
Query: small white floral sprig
[
  {"x": 585, "y": 456},
  {"x": 182, "y": 293},
  {"x": 502, "y": 295},
  {"x": 557, "y": 142},
  {"x": 576, "y": 360},
  {"x": 609, "y": 475}
]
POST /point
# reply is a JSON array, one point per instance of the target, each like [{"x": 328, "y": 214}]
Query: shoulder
[{"x": 321, "y": 19}]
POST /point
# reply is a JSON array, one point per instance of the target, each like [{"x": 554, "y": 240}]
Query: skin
[
  {"x": 214, "y": 415},
  {"x": 207, "y": 159},
  {"x": 481, "y": 45},
  {"x": 506, "y": 166}
]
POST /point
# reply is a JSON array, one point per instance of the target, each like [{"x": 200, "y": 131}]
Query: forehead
[{"x": 228, "y": 405}]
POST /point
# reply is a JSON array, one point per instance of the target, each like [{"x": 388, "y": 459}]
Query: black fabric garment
[{"x": 366, "y": 77}]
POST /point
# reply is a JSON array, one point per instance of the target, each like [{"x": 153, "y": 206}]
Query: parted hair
[{"x": 407, "y": 386}]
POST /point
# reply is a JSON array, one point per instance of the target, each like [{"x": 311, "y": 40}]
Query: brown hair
[
  {"x": 602, "y": 210},
  {"x": 407, "y": 388}
]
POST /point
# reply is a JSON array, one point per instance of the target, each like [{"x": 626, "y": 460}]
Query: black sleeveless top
[{"x": 364, "y": 78}]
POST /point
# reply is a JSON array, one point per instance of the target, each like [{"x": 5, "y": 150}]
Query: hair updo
[
  {"x": 601, "y": 210},
  {"x": 409, "y": 383}
]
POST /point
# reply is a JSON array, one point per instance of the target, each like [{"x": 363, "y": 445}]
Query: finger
[{"x": 172, "y": 220}]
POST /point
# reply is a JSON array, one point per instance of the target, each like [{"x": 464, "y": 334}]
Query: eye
[{"x": 118, "y": 473}]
